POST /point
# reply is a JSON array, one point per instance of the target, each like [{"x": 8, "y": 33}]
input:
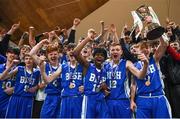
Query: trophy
[{"x": 150, "y": 20}]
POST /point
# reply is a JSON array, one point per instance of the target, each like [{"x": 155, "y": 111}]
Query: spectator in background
[
  {"x": 5, "y": 40},
  {"x": 174, "y": 50},
  {"x": 170, "y": 66}
]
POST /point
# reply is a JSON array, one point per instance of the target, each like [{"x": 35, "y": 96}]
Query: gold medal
[
  {"x": 147, "y": 83},
  {"x": 71, "y": 85}
]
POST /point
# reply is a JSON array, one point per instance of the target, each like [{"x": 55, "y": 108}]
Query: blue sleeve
[{"x": 2, "y": 59}]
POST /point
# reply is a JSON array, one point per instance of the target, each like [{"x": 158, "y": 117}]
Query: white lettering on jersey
[
  {"x": 152, "y": 68},
  {"x": 114, "y": 75},
  {"x": 92, "y": 77}
]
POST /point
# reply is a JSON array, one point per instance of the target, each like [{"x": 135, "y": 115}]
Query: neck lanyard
[
  {"x": 26, "y": 75},
  {"x": 51, "y": 68}
]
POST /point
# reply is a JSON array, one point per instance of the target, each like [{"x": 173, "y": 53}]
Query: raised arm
[
  {"x": 22, "y": 39},
  {"x": 35, "y": 49},
  {"x": 32, "y": 41},
  {"x": 102, "y": 32},
  {"x": 127, "y": 53},
  {"x": 7, "y": 73},
  {"x": 71, "y": 38},
  {"x": 160, "y": 50},
  {"x": 114, "y": 31},
  {"x": 13, "y": 28},
  {"x": 5, "y": 41},
  {"x": 77, "y": 50}
]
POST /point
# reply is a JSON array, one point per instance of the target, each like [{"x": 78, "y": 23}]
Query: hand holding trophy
[{"x": 150, "y": 20}]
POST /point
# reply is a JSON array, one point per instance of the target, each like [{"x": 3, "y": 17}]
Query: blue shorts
[
  {"x": 4, "y": 99},
  {"x": 153, "y": 107},
  {"x": 19, "y": 107},
  {"x": 93, "y": 108},
  {"x": 119, "y": 108},
  {"x": 51, "y": 107},
  {"x": 71, "y": 107}
]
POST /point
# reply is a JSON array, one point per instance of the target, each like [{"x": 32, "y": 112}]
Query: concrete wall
[{"x": 118, "y": 12}]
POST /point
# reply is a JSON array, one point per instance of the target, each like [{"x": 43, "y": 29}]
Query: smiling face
[
  {"x": 99, "y": 55},
  {"x": 86, "y": 52},
  {"x": 99, "y": 59},
  {"x": 115, "y": 52},
  {"x": 53, "y": 57},
  {"x": 175, "y": 45},
  {"x": 53, "y": 54},
  {"x": 11, "y": 56}
]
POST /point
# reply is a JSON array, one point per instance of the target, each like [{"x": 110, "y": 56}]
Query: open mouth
[
  {"x": 71, "y": 55},
  {"x": 53, "y": 59},
  {"x": 85, "y": 51},
  {"x": 99, "y": 60},
  {"x": 115, "y": 56}
]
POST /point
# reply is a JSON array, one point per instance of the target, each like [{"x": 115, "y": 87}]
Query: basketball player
[
  {"x": 118, "y": 100},
  {"x": 26, "y": 79},
  {"x": 51, "y": 106},
  {"x": 72, "y": 85},
  {"x": 150, "y": 99},
  {"x": 6, "y": 86},
  {"x": 94, "y": 105}
]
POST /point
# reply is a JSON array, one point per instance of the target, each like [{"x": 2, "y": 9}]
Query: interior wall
[{"x": 118, "y": 12}]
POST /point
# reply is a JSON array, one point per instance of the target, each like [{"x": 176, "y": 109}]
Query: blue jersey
[
  {"x": 71, "y": 80},
  {"x": 4, "y": 98},
  {"x": 117, "y": 80},
  {"x": 25, "y": 80},
  {"x": 63, "y": 59},
  {"x": 8, "y": 83},
  {"x": 2, "y": 59},
  {"x": 92, "y": 81},
  {"x": 55, "y": 86},
  {"x": 153, "y": 76}
]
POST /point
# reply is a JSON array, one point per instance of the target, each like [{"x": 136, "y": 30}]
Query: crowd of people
[{"x": 103, "y": 75}]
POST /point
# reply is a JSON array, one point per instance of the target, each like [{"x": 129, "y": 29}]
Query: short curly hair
[{"x": 100, "y": 50}]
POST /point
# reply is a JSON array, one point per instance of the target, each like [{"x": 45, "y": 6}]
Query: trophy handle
[{"x": 137, "y": 22}]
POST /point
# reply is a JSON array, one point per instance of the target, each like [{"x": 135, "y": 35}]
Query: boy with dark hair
[
  {"x": 94, "y": 104},
  {"x": 6, "y": 86}
]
